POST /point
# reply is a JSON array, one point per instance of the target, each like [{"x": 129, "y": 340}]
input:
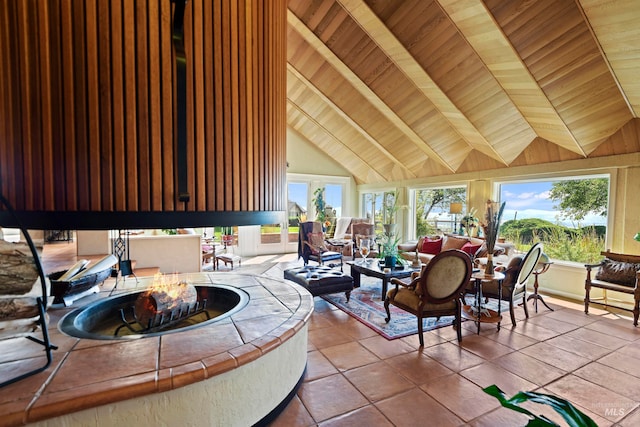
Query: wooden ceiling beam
[
  {"x": 351, "y": 153},
  {"x": 362, "y": 87},
  {"x": 295, "y": 73},
  {"x": 616, "y": 32},
  {"x": 487, "y": 39},
  {"x": 402, "y": 58}
]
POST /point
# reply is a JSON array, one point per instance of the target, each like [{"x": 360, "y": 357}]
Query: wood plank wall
[{"x": 87, "y": 105}]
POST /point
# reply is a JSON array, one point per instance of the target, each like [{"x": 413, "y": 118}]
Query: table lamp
[{"x": 455, "y": 208}]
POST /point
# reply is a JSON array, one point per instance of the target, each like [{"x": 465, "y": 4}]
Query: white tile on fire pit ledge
[{"x": 257, "y": 291}]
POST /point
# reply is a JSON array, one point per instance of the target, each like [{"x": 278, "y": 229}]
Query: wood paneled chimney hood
[{"x": 91, "y": 113}]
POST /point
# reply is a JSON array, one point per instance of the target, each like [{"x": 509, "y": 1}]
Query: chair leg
[
  {"x": 386, "y": 307},
  {"x": 420, "y": 337},
  {"x": 636, "y": 312},
  {"x": 587, "y": 290},
  {"x": 524, "y": 304},
  {"x": 348, "y": 294},
  {"x": 512, "y": 313}
]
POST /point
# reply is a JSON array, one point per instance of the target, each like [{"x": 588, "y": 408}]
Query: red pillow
[
  {"x": 431, "y": 246},
  {"x": 470, "y": 248}
]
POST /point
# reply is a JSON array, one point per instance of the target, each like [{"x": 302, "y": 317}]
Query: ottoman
[{"x": 320, "y": 279}]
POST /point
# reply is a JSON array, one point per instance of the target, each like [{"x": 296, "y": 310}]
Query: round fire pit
[{"x": 113, "y": 318}]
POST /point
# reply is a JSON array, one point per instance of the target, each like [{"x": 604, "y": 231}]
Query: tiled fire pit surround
[{"x": 229, "y": 373}]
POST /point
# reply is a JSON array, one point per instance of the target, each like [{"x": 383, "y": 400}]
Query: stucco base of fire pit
[{"x": 241, "y": 397}]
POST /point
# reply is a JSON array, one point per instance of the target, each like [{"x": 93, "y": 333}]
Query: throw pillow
[
  {"x": 622, "y": 273},
  {"x": 431, "y": 246},
  {"x": 470, "y": 248},
  {"x": 316, "y": 241},
  {"x": 453, "y": 242}
]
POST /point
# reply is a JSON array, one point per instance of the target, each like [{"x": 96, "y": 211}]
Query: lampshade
[{"x": 455, "y": 208}]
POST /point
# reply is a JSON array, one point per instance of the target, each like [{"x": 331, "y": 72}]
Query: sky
[
  {"x": 531, "y": 200},
  {"x": 332, "y": 196}
]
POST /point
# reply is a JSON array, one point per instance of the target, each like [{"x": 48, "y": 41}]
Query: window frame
[
  {"x": 611, "y": 174},
  {"x": 412, "y": 190}
]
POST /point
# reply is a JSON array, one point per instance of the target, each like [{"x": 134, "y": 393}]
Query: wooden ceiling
[{"x": 405, "y": 89}]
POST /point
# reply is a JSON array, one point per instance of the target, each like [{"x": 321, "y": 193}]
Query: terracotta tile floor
[
  {"x": 358, "y": 378},
  {"x": 355, "y": 377}
]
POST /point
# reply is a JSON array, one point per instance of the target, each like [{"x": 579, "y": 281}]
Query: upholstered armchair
[
  {"x": 514, "y": 285},
  {"x": 436, "y": 292},
  {"x": 312, "y": 246}
]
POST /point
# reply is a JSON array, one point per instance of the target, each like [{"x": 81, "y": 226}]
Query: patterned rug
[{"x": 366, "y": 306}]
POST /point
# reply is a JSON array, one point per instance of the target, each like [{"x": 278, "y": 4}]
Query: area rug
[{"x": 366, "y": 306}]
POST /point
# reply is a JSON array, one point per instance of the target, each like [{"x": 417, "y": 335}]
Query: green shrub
[{"x": 569, "y": 244}]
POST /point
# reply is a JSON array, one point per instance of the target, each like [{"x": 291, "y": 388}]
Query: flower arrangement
[
  {"x": 470, "y": 222},
  {"x": 390, "y": 207},
  {"x": 490, "y": 228}
]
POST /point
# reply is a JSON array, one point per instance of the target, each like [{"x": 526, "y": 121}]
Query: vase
[
  {"x": 390, "y": 261},
  {"x": 489, "y": 268},
  {"x": 390, "y": 229}
]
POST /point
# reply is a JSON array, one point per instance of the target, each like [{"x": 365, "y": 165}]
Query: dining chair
[{"x": 514, "y": 285}]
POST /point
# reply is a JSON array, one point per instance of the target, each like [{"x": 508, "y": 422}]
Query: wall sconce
[{"x": 455, "y": 209}]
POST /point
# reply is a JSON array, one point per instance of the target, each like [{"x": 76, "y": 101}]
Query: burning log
[{"x": 164, "y": 299}]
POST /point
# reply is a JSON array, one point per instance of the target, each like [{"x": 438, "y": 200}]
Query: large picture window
[
  {"x": 438, "y": 210},
  {"x": 568, "y": 215},
  {"x": 373, "y": 206}
]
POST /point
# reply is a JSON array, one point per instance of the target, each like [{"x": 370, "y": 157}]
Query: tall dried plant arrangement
[{"x": 491, "y": 227}]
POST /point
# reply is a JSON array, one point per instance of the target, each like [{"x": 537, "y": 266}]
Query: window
[
  {"x": 301, "y": 193},
  {"x": 298, "y": 195},
  {"x": 438, "y": 210},
  {"x": 373, "y": 207},
  {"x": 568, "y": 215},
  {"x": 333, "y": 198}
]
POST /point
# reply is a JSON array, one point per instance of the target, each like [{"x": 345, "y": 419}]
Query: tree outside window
[
  {"x": 568, "y": 216},
  {"x": 432, "y": 209}
]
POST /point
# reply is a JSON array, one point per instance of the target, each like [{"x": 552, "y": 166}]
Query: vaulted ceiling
[{"x": 405, "y": 89}]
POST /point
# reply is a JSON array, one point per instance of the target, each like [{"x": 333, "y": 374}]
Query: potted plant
[{"x": 389, "y": 250}]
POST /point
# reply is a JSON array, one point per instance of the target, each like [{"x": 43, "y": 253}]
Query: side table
[
  {"x": 535, "y": 296},
  {"x": 479, "y": 313}
]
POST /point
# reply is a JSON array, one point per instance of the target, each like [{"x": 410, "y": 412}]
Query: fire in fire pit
[
  {"x": 161, "y": 309},
  {"x": 164, "y": 304}
]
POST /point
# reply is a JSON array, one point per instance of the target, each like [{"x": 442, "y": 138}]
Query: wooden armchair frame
[{"x": 423, "y": 296}]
